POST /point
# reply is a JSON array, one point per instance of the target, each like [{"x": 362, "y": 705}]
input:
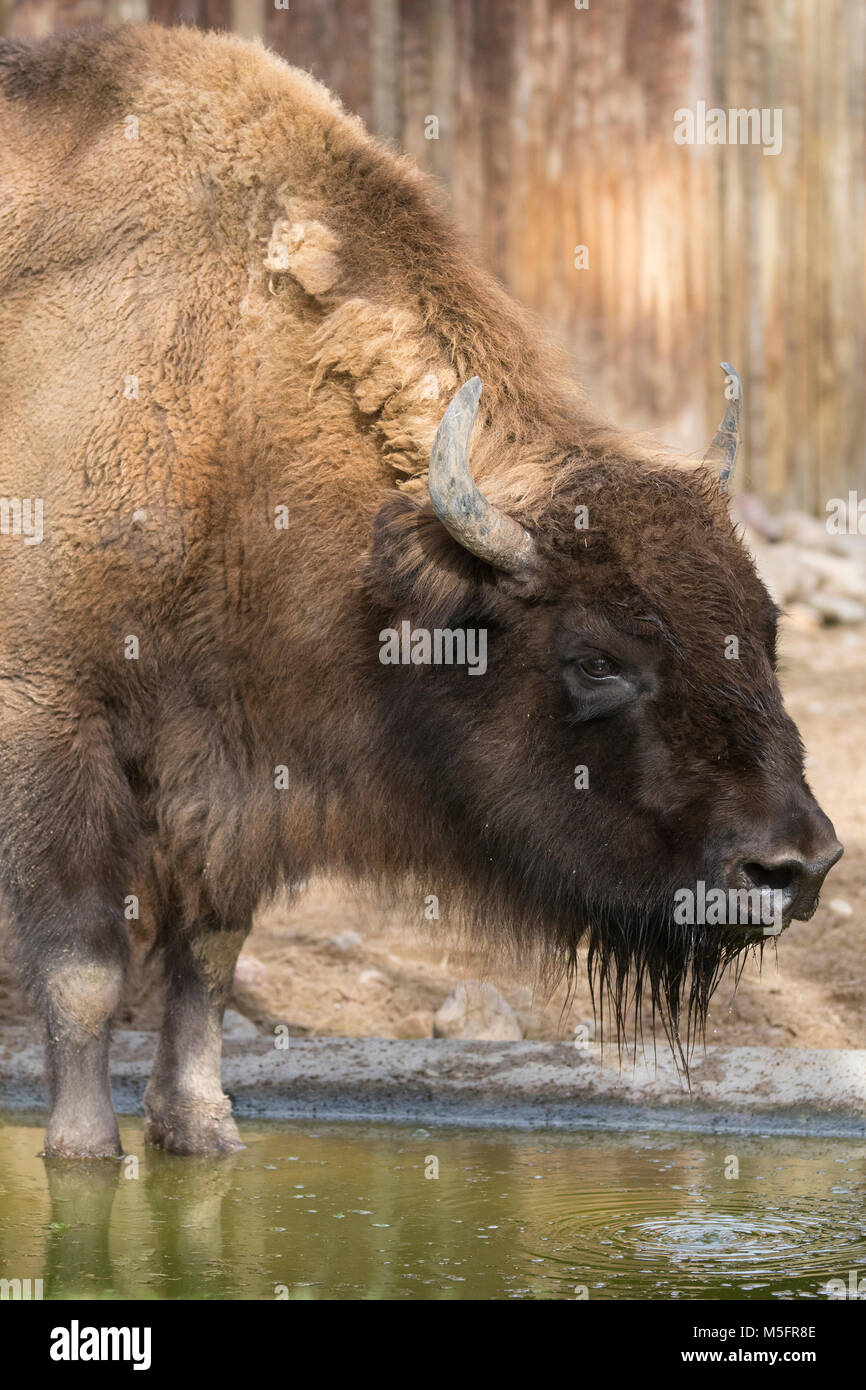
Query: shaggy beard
[
  {"x": 669, "y": 970},
  {"x": 643, "y": 968}
]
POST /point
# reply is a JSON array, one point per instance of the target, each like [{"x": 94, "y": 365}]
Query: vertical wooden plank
[
  {"x": 468, "y": 189},
  {"x": 215, "y": 14},
  {"x": 248, "y": 18},
  {"x": 386, "y": 63},
  {"x": 173, "y": 11},
  {"x": 415, "y": 79},
  {"x": 442, "y": 78},
  {"x": 837, "y": 252},
  {"x": 495, "y": 34},
  {"x": 798, "y": 376}
]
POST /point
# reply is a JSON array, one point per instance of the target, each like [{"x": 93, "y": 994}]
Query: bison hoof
[
  {"x": 188, "y": 1129},
  {"x": 68, "y": 1142}
]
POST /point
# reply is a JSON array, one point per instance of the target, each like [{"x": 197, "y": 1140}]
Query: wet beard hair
[
  {"x": 672, "y": 969},
  {"x": 644, "y": 969}
]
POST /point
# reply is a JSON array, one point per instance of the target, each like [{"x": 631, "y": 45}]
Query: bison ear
[{"x": 415, "y": 564}]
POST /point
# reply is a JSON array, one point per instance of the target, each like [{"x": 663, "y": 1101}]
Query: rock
[
  {"x": 250, "y": 994},
  {"x": 802, "y": 616},
  {"x": 852, "y": 546},
  {"x": 779, "y": 567},
  {"x": 372, "y": 977},
  {"x": 417, "y": 1025},
  {"x": 840, "y": 908},
  {"x": 249, "y": 973},
  {"x": 836, "y": 573},
  {"x": 802, "y": 574},
  {"x": 837, "y": 608},
  {"x": 235, "y": 1026},
  {"x": 804, "y": 529},
  {"x": 344, "y": 942},
  {"x": 478, "y": 1011},
  {"x": 533, "y": 1024},
  {"x": 748, "y": 509}
]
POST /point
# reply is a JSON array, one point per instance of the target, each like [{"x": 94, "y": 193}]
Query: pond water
[{"x": 331, "y": 1210}]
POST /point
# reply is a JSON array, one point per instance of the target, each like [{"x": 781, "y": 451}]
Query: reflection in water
[
  {"x": 346, "y": 1211},
  {"x": 77, "y": 1257}
]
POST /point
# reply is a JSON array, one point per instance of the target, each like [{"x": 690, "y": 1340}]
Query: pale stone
[
  {"x": 836, "y": 608},
  {"x": 840, "y": 908},
  {"x": 372, "y": 977},
  {"x": 344, "y": 942},
  {"x": 478, "y": 1011},
  {"x": 417, "y": 1025}
]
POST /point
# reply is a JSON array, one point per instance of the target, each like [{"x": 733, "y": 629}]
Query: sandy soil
[{"x": 810, "y": 993}]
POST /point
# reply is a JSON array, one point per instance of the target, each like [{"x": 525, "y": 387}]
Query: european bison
[{"x": 240, "y": 626}]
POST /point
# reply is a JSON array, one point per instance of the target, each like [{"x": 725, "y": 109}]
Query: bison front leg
[
  {"x": 68, "y": 827},
  {"x": 185, "y": 1108},
  {"x": 72, "y": 956},
  {"x": 82, "y": 992}
]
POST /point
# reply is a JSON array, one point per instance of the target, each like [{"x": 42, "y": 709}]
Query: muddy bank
[{"x": 523, "y": 1085}]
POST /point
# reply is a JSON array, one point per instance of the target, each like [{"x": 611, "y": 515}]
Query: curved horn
[
  {"x": 723, "y": 451},
  {"x": 473, "y": 521}
]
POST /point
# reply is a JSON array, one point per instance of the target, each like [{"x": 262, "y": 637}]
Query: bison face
[
  {"x": 624, "y": 774},
  {"x": 666, "y": 642}
]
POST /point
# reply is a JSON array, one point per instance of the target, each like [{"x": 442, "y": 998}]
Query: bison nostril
[
  {"x": 832, "y": 856},
  {"x": 780, "y": 878},
  {"x": 793, "y": 881}
]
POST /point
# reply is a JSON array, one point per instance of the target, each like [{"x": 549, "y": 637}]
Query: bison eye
[
  {"x": 597, "y": 685},
  {"x": 598, "y": 668}
]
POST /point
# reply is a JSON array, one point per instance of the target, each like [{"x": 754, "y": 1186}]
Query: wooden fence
[{"x": 552, "y": 128}]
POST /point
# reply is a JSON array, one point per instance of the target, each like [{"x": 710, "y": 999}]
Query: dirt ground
[{"x": 319, "y": 979}]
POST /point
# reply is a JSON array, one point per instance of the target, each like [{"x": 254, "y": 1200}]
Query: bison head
[{"x": 625, "y": 775}]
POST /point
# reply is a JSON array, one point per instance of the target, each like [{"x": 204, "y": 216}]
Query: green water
[{"x": 311, "y": 1211}]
